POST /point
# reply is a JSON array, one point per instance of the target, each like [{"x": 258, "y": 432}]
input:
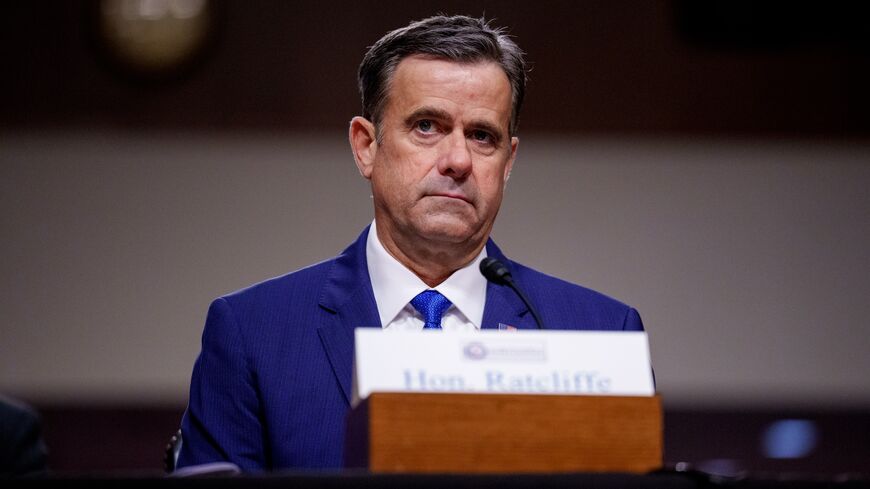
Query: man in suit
[{"x": 437, "y": 139}]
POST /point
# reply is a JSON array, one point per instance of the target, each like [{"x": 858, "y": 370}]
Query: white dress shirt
[{"x": 394, "y": 286}]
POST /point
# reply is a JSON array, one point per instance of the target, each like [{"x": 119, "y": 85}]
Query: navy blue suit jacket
[{"x": 271, "y": 387}]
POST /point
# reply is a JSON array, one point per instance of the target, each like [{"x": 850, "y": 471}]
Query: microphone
[{"x": 497, "y": 273}]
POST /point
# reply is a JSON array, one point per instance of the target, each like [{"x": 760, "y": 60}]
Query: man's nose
[{"x": 456, "y": 162}]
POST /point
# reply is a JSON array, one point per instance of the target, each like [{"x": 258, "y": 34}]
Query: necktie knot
[{"x": 431, "y": 304}]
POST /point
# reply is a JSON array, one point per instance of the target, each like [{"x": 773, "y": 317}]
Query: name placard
[{"x": 500, "y": 362}]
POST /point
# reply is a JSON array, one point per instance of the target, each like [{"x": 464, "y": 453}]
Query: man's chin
[{"x": 454, "y": 235}]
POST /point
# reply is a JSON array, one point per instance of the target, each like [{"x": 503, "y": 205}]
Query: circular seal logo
[{"x": 475, "y": 351}]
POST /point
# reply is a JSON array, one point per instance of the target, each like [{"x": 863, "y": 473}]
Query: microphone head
[{"x": 495, "y": 271}]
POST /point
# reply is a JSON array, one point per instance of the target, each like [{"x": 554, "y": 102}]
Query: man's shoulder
[
  {"x": 302, "y": 290},
  {"x": 570, "y": 302},
  {"x": 282, "y": 287},
  {"x": 550, "y": 288},
  {"x": 267, "y": 310},
  {"x": 544, "y": 283}
]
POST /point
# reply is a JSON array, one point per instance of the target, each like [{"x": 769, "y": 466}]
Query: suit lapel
[
  {"x": 348, "y": 298},
  {"x": 502, "y": 304},
  {"x": 349, "y": 301}
]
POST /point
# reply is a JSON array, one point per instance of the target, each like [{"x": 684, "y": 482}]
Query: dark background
[{"x": 740, "y": 68}]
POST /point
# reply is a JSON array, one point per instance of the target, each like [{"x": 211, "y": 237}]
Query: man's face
[{"x": 444, "y": 153}]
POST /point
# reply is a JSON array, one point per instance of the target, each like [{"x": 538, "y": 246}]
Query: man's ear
[
  {"x": 515, "y": 142},
  {"x": 364, "y": 144}
]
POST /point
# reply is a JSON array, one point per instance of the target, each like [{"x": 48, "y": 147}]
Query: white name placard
[{"x": 502, "y": 362}]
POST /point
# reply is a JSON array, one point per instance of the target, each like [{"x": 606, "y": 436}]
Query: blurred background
[{"x": 705, "y": 162}]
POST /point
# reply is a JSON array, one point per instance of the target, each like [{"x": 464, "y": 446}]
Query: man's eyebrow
[{"x": 427, "y": 113}]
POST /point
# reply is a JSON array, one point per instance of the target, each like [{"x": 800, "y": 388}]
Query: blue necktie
[{"x": 431, "y": 304}]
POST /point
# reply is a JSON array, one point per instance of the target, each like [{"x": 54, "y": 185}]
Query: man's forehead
[
  {"x": 426, "y": 62},
  {"x": 424, "y": 80}
]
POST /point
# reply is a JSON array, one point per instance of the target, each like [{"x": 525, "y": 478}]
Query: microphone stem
[{"x": 510, "y": 283}]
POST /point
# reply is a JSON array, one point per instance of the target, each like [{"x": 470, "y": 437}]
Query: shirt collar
[{"x": 394, "y": 285}]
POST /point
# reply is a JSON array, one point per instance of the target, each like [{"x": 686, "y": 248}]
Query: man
[{"x": 441, "y": 98}]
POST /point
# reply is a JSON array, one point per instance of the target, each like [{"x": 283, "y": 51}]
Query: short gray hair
[{"x": 457, "y": 38}]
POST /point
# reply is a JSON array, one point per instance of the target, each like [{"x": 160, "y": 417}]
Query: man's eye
[
  {"x": 425, "y": 125},
  {"x": 481, "y": 136}
]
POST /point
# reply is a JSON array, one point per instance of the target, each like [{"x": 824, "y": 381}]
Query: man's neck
[{"x": 432, "y": 262}]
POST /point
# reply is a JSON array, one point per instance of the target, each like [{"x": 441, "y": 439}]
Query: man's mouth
[{"x": 450, "y": 195}]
